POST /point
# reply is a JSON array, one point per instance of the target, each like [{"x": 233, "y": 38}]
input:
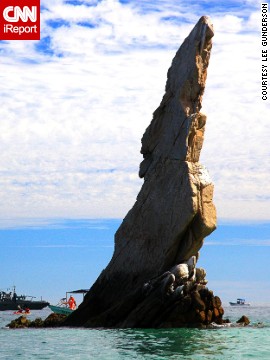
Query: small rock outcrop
[
  {"x": 53, "y": 320},
  {"x": 152, "y": 280},
  {"x": 244, "y": 320}
]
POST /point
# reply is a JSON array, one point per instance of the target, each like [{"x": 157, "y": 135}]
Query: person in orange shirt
[{"x": 72, "y": 303}]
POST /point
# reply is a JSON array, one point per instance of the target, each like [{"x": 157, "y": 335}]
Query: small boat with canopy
[
  {"x": 240, "y": 302},
  {"x": 67, "y": 304}
]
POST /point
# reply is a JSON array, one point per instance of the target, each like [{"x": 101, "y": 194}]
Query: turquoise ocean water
[{"x": 233, "y": 343}]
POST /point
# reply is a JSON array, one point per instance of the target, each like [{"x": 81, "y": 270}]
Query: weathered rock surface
[
  {"x": 144, "y": 284},
  {"x": 53, "y": 320},
  {"x": 244, "y": 320}
]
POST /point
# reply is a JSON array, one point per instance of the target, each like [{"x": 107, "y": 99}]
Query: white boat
[{"x": 240, "y": 302}]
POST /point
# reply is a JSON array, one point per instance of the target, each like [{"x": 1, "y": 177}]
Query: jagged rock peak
[
  {"x": 157, "y": 244},
  {"x": 177, "y": 128}
]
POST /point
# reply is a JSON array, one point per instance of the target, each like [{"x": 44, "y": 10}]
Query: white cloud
[
  {"x": 229, "y": 24},
  {"x": 72, "y": 118}
]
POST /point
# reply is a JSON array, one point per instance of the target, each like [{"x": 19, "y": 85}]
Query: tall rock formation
[{"x": 156, "y": 247}]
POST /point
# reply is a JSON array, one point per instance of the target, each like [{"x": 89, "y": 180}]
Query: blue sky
[
  {"x": 74, "y": 107},
  {"x": 48, "y": 260}
]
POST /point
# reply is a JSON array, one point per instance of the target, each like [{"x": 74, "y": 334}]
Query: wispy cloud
[
  {"x": 57, "y": 223},
  {"x": 239, "y": 242},
  {"x": 62, "y": 246},
  {"x": 75, "y": 105}
]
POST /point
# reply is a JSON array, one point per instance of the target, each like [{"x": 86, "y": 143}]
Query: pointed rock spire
[{"x": 174, "y": 210}]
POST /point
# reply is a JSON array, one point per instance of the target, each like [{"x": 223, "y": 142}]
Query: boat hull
[
  {"x": 32, "y": 305},
  {"x": 60, "y": 310}
]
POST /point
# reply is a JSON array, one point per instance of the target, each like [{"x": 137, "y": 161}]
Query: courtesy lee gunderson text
[{"x": 264, "y": 12}]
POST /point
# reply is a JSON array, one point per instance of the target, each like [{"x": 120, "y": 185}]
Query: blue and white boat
[{"x": 240, "y": 302}]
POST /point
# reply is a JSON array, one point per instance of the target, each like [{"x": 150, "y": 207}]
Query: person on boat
[
  {"x": 26, "y": 310},
  {"x": 14, "y": 297},
  {"x": 72, "y": 303}
]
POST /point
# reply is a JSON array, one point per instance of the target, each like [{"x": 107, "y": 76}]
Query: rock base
[
  {"x": 53, "y": 320},
  {"x": 197, "y": 308},
  {"x": 166, "y": 304},
  {"x": 193, "y": 317}
]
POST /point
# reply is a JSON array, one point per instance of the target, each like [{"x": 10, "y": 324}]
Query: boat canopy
[{"x": 81, "y": 291}]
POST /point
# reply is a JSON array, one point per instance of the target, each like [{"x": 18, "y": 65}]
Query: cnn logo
[
  {"x": 20, "y": 19},
  {"x": 24, "y": 14}
]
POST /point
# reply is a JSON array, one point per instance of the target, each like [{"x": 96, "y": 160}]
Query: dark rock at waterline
[
  {"x": 150, "y": 280},
  {"x": 244, "y": 320},
  {"x": 19, "y": 323},
  {"x": 53, "y": 320}
]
